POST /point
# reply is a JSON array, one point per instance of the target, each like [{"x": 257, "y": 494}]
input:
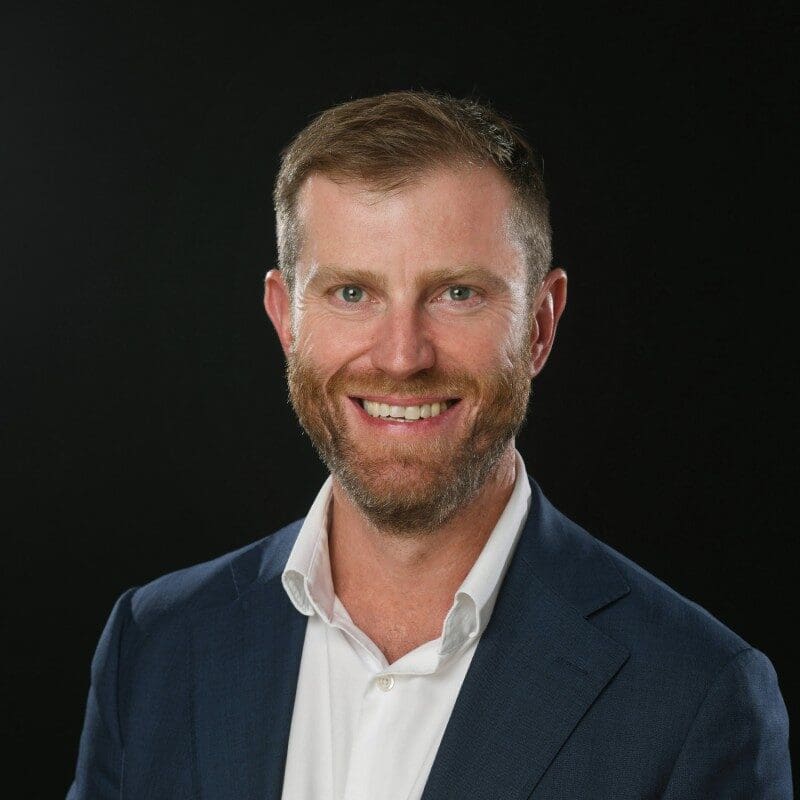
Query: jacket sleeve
[
  {"x": 738, "y": 745},
  {"x": 98, "y": 774}
]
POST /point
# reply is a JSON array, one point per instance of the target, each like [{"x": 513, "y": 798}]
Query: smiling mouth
[{"x": 397, "y": 413}]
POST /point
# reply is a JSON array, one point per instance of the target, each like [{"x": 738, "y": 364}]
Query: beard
[{"x": 410, "y": 488}]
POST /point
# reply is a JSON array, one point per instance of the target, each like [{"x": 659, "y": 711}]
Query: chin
[{"x": 406, "y": 499}]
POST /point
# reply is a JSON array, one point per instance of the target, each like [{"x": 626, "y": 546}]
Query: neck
[{"x": 379, "y": 575}]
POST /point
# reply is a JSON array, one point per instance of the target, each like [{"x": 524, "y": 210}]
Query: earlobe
[{"x": 277, "y": 304}]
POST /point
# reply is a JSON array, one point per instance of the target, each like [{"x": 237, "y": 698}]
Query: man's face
[{"x": 409, "y": 360}]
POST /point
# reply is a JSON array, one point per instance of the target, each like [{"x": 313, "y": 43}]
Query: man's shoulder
[
  {"x": 662, "y": 625},
  {"x": 213, "y": 583},
  {"x": 653, "y": 620}
]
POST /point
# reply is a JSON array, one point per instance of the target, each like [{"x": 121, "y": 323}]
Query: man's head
[{"x": 409, "y": 287}]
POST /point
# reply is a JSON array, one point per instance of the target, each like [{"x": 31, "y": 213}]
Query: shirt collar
[
  {"x": 307, "y": 575},
  {"x": 475, "y": 599}
]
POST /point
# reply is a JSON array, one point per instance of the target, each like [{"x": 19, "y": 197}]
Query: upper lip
[{"x": 405, "y": 401}]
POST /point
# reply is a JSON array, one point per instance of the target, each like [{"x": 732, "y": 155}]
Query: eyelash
[{"x": 466, "y": 303}]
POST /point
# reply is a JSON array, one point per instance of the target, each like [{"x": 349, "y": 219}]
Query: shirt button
[{"x": 385, "y": 682}]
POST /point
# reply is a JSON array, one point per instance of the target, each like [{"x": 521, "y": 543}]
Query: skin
[{"x": 406, "y": 250}]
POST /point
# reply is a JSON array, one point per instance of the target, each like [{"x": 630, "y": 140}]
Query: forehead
[{"x": 444, "y": 218}]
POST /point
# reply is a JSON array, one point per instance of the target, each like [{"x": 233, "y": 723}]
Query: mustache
[{"x": 446, "y": 384}]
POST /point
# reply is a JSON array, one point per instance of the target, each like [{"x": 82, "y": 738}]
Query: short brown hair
[{"x": 387, "y": 140}]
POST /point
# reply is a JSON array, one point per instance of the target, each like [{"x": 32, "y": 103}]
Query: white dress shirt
[{"x": 363, "y": 729}]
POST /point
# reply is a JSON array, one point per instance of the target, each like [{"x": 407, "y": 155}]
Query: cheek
[
  {"x": 330, "y": 345},
  {"x": 486, "y": 346}
]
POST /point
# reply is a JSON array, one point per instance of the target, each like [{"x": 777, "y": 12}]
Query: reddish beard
[{"x": 408, "y": 488}]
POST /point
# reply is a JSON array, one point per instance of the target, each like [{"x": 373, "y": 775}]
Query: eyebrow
[{"x": 332, "y": 274}]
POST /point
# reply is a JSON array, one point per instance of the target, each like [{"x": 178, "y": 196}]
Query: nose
[{"x": 403, "y": 346}]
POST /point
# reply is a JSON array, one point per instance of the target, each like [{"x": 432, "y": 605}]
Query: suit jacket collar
[
  {"x": 567, "y": 560},
  {"x": 537, "y": 669},
  {"x": 538, "y": 666}
]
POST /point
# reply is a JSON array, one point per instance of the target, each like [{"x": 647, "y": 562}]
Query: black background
[{"x": 145, "y": 423}]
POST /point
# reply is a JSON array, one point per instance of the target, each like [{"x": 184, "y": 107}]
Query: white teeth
[{"x": 409, "y": 413}]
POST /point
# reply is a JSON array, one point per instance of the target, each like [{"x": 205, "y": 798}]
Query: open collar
[{"x": 309, "y": 585}]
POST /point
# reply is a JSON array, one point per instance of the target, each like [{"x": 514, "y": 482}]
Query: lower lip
[{"x": 395, "y": 425}]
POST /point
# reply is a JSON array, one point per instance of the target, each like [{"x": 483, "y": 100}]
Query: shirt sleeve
[
  {"x": 738, "y": 745},
  {"x": 98, "y": 774}
]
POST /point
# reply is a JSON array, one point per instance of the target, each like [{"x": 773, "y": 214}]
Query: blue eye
[
  {"x": 460, "y": 293},
  {"x": 350, "y": 294}
]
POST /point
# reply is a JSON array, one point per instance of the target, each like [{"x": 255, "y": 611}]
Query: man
[{"x": 433, "y": 628}]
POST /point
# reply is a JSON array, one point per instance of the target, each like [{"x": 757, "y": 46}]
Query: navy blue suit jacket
[{"x": 592, "y": 680}]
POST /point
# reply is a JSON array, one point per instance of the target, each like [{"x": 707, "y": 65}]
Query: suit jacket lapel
[
  {"x": 247, "y": 656},
  {"x": 538, "y": 666}
]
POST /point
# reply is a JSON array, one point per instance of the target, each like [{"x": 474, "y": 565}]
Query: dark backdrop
[{"x": 145, "y": 420}]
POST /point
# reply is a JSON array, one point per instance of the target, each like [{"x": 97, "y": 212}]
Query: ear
[
  {"x": 548, "y": 305},
  {"x": 278, "y": 305}
]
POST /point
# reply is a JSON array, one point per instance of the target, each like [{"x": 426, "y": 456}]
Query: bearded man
[{"x": 433, "y": 628}]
